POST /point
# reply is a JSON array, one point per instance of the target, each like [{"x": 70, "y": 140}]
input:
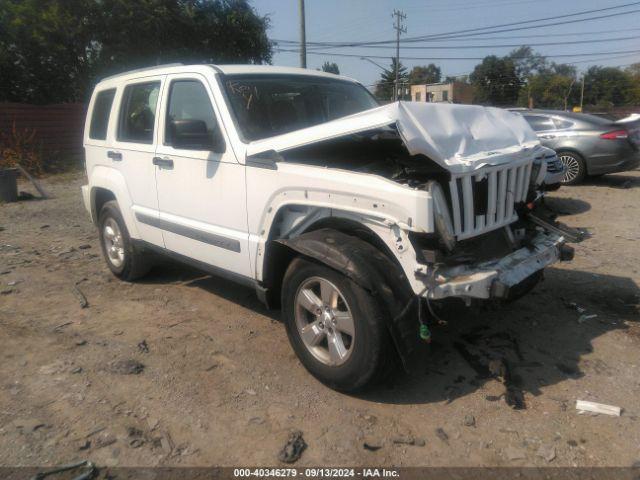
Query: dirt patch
[{"x": 220, "y": 384}]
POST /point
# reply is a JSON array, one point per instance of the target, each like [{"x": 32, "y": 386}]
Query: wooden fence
[{"x": 58, "y": 128}]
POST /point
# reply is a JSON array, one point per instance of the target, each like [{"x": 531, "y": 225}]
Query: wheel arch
[
  {"x": 108, "y": 184},
  {"x": 370, "y": 268},
  {"x": 279, "y": 254}
]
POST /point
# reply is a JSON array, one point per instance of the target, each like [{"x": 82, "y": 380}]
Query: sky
[{"x": 362, "y": 20}]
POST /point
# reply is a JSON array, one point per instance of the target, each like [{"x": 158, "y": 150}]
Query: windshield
[{"x": 269, "y": 105}]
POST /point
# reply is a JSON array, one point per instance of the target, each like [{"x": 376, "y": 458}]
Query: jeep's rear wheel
[
  {"x": 123, "y": 259},
  {"x": 336, "y": 328}
]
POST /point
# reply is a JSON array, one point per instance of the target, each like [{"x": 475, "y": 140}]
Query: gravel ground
[{"x": 186, "y": 369}]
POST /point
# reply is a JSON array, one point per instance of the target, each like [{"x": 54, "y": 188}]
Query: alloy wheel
[
  {"x": 324, "y": 321},
  {"x": 572, "y": 168},
  {"x": 113, "y": 243}
]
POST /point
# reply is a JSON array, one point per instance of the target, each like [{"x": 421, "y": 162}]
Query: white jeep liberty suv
[{"x": 349, "y": 215}]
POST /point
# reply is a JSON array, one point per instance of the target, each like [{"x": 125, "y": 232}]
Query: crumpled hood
[{"x": 458, "y": 137}]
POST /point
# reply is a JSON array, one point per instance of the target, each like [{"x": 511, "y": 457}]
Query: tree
[
  {"x": 607, "y": 86},
  {"x": 496, "y": 81},
  {"x": 527, "y": 62},
  {"x": 53, "y": 50},
  {"x": 45, "y": 49},
  {"x": 384, "y": 87},
  {"x": 330, "y": 67},
  {"x": 634, "y": 73},
  {"x": 421, "y": 75}
]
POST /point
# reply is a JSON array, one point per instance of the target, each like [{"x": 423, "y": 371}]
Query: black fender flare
[{"x": 372, "y": 270}]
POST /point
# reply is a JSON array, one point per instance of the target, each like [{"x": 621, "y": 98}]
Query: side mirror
[{"x": 191, "y": 134}]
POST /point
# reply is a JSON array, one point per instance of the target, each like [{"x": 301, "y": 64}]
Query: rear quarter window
[{"x": 100, "y": 114}]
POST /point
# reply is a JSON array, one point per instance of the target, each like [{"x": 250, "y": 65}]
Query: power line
[
  {"x": 490, "y": 29},
  {"x": 546, "y": 35},
  {"x": 511, "y": 45},
  {"x": 353, "y": 55}
]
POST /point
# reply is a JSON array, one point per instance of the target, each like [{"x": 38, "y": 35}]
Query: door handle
[
  {"x": 163, "y": 162},
  {"x": 547, "y": 136},
  {"x": 116, "y": 156}
]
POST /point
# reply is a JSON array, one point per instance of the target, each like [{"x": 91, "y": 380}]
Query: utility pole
[
  {"x": 399, "y": 16},
  {"x": 582, "y": 93},
  {"x": 303, "y": 37}
]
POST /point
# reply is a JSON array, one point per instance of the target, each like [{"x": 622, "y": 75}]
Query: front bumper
[
  {"x": 555, "y": 171},
  {"x": 494, "y": 279}
]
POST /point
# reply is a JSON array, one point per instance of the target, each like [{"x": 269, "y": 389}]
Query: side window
[
  {"x": 138, "y": 112},
  {"x": 191, "y": 122},
  {"x": 100, "y": 114},
  {"x": 540, "y": 123},
  {"x": 562, "y": 124}
]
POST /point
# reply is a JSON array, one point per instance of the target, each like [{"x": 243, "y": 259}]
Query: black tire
[
  {"x": 136, "y": 263},
  {"x": 370, "y": 357},
  {"x": 578, "y": 168}
]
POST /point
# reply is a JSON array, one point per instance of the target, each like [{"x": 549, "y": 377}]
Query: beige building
[{"x": 455, "y": 92}]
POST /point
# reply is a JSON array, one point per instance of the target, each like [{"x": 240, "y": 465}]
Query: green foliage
[
  {"x": 545, "y": 84},
  {"x": 384, "y": 87},
  {"x": 607, "y": 85},
  {"x": 634, "y": 93},
  {"x": 496, "y": 81},
  {"x": 54, "y": 50},
  {"x": 330, "y": 67},
  {"x": 421, "y": 75}
]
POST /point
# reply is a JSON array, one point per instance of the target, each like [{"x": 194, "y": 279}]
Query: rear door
[
  {"x": 201, "y": 185},
  {"x": 133, "y": 150}
]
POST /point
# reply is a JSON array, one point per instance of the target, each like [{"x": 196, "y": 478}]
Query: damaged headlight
[{"x": 442, "y": 216}]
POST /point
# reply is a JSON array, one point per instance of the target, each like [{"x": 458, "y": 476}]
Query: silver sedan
[{"x": 586, "y": 144}]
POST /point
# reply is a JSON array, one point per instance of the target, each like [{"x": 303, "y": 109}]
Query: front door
[{"x": 201, "y": 186}]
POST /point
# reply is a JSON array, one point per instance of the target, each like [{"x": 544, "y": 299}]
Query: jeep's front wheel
[
  {"x": 335, "y": 326},
  {"x": 123, "y": 258}
]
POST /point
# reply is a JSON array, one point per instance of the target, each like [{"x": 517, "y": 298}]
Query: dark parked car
[{"x": 586, "y": 144}]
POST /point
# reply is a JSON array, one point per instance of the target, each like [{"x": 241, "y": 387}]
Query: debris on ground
[
  {"x": 90, "y": 471},
  {"x": 586, "y": 406},
  {"x": 583, "y": 318},
  {"x": 575, "y": 306},
  {"x": 127, "y": 367},
  {"x": 547, "y": 452},
  {"x": 372, "y": 447},
  {"x": 143, "y": 347},
  {"x": 84, "y": 303},
  {"x": 469, "y": 421},
  {"x": 293, "y": 449},
  {"x": 442, "y": 435},
  {"x": 409, "y": 440}
]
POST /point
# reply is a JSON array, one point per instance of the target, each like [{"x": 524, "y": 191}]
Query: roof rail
[{"x": 137, "y": 70}]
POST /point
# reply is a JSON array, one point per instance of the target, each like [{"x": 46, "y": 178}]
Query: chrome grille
[{"x": 484, "y": 200}]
